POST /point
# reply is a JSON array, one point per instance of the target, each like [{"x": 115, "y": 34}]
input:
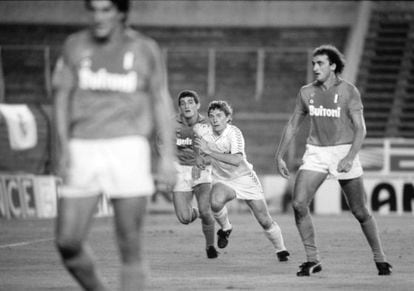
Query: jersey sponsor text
[
  {"x": 324, "y": 112},
  {"x": 106, "y": 81},
  {"x": 184, "y": 142}
]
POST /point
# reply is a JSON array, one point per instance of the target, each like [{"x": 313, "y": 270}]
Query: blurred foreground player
[
  {"x": 337, "y": 131},
  {"x": 110, "y": 89}
]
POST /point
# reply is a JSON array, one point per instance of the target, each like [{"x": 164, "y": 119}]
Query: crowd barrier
[
  {"x": 27, "y": 196},
  {"x": 388, "y": 182},
  {"x": 33, "y": 196}
]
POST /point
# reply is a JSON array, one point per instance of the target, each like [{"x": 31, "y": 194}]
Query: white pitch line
[{"x": 25, "y": 243}]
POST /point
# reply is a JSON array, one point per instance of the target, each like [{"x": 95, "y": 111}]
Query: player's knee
[
  {"x": 68, "y": 248},
  {"x": 361, "y": 214},
  {"x": 216, "y": 205},
  {"x": 129, "y": 246},
  {"x": 205, "y": 212},
  {"x": 266, "y": 223},
  {"x": 299, "y": 207},
  {"x": 184, "y": 218}
]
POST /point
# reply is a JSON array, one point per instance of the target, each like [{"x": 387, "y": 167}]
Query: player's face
[
  {"x": 105, "y": 18},
  {"x": 188, "y": 107},
  {"x": 322, "y": 69},
  {"x": 218, "y": 120}
]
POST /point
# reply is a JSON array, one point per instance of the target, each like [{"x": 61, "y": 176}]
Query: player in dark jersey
[
  {"x": 110, "y": 93},
  {"x": 337, "y": 131},
  {"x": 191, "y": 180}
]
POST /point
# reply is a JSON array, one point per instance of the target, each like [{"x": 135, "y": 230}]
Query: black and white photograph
[{"x": 206, "y": 145}]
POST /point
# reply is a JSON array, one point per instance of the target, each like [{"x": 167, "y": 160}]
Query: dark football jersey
[
  {"x": 184, "y": 136},
  {"x": 112, "y": 84},
  {"x": 330, "y": 112}
]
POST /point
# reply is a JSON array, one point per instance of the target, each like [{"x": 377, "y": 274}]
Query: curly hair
[
  {"x": 333, "y": 54},
  {"x": 222, "y": 106}
]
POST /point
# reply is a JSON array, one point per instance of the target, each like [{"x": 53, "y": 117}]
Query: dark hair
[
  {"x": 222, "y": 106},
  {"x": 188, "y": 93},
  {"x": 333, "y": 54},
  {"x": 121, "y": 5}
]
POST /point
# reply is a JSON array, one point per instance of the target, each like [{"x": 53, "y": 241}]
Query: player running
[
  {"x": 192, "y": 181},
  {"x": 234, "y": 177}
]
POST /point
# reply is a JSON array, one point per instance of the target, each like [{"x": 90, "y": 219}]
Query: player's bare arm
[
  {"x": 61, "y": 122},
  {"x": 162, "y": 110},
  {"x": 288, "y": 134},
  {"x": 205, "y": 147},
  {"x": 63, "y": 82}
]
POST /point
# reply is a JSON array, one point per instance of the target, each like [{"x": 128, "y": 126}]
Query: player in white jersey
[
  {"x": 337, "y": 131},
  {"x": 234, "y": 177},
  {"x": 110, "y": 92}
]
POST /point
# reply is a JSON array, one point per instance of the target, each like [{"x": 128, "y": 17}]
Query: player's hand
[
  {"x": 63, "y": 164},
  {"x": 166, "y": 175},
  {"x": 282, "y": 168},
  {"x": 200, "y": 162},
  {"x": 345, "y": 165}
]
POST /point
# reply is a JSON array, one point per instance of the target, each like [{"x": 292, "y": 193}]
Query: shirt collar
[{"x": 338, "y": 81}]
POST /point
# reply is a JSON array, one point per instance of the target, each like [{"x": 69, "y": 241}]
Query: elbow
[{"x": 363, "y": 132}]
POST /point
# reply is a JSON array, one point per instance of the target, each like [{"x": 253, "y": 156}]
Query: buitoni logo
[
  {"x": 104, "y": 80},
  {"x": 324, "y": 112}
]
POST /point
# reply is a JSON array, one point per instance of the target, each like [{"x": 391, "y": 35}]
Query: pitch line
[{"x": 25, "y": 243}]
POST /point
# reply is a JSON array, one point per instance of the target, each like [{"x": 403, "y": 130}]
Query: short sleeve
[
  {"x": 236, "y": 141},
  {"x": 300, "y": 105},
  {"x": 63, "y": 77},
  {"x": 355, "y": 102}
]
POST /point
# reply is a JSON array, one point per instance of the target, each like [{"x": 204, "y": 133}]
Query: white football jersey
[{"x": 231, "y": 141}]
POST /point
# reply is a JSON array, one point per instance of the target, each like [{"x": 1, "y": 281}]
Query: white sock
[
  {"x": 274, "y": 234},
  {"x": 222, "y": 218}
]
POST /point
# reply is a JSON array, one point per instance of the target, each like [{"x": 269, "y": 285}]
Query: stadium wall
[{"x": 191, "y": 13}]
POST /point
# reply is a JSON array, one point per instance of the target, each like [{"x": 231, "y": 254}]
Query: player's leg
[
  {"x": 220, "y": 195},
  {"x": 270, "y": 227},
  {"x": 183, "y": 206},
  {"x": 183, "y": 195},
  {"x": 306, "y": 184},
  {"x": 202, "y": 193},
  {"x": 129, "y": 214},
  {"x": 356, "y": 197},
  {"x": 72, "y": 225}
]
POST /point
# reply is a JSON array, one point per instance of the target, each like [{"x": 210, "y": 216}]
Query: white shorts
[
  {"x": 185, "y": 182},
  {"x": 325, "y": 159},
  {"x": 117, "y": 168},
  {"x": 247, "y": 187}
]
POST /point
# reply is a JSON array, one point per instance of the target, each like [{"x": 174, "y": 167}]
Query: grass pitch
[{"x": 175, "y": 252}]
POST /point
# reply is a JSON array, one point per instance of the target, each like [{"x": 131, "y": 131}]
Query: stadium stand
[
  {"x": 224, "y": 62},
  {"x": 386, "y": 78}
]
